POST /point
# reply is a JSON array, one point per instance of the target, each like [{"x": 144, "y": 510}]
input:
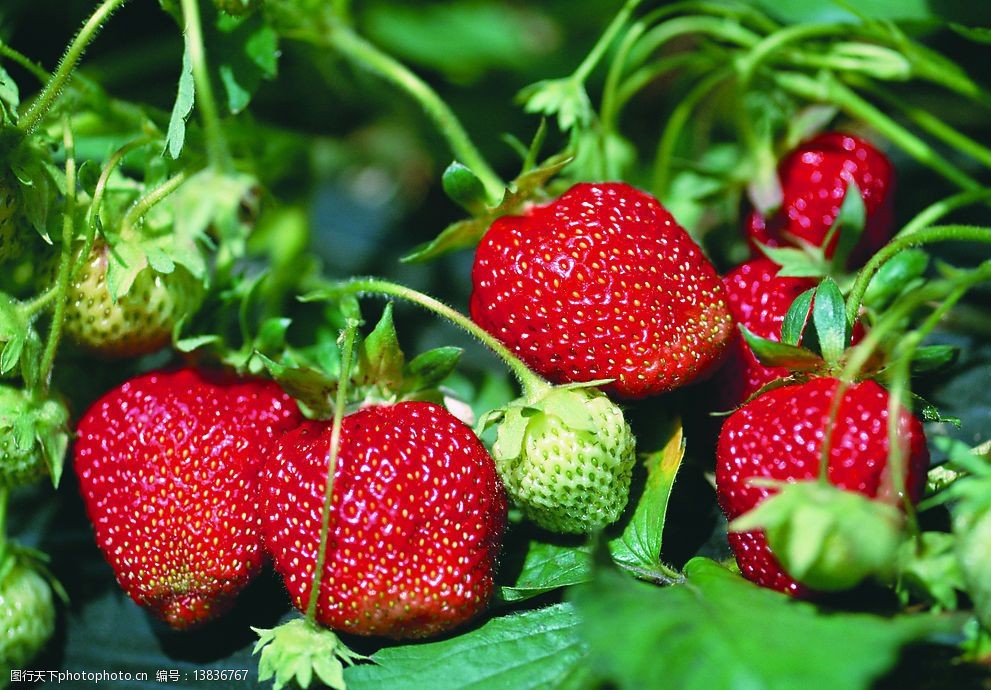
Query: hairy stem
[
  {"x": 65, "y": 259},
  {"x": 363, "y": 53},
  {"x": 944, "y": 207},
  {"x": 531, "y": 383},
  {"x": 216, "y": 144},
  {"x": 148, "y": 201},
  {"x": 939, "y": 233},
  {"x": 54, "y": 87},
  {"x": 605, "y": 40},
  {"x": 347, "y": 352},
  {"x": 24, "y": 61}
]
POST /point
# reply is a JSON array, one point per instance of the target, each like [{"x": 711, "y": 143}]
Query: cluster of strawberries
[{"x": 195, "y": 480}]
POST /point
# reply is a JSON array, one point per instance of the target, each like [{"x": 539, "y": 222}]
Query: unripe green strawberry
[
  {"x": 33, "y": 437},
  {"x": 140, "y": 321},
  {"x": 566, "y": 459},
  {"x": 10, "y": 240},
  {"x": 972, "y": 528},
  {"x": 27, "y": 615}
]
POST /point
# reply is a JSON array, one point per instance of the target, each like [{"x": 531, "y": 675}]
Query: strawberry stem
[
  {"x": 75, "y": 51},
  {"x": 216, "y": 144},
  {"x": 939, "y": 233},
  {"x": 358, "y": 50},
  {"x": 25, "y": 62},
  {"x": 65, "y": 259},
  {"x": 532, "y": 384},
  {"x": 347, "y": 353},
  {"x": 145, "y": 203},
  {"x": 598, "y": 50}
]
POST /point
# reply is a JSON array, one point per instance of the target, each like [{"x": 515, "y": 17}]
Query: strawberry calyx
[
  {"x": 300, "y": 650},
  {"x": 380, "y": 374},
  {"x": 827, "y": 538},
  {"x": 465, "y": 189}
]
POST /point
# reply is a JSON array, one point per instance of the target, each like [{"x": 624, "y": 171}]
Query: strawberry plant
[{"x": 486, "y": 344}]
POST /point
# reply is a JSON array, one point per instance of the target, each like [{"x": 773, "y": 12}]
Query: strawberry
[
  {"x": 778, "y": 436},
  {"x": 417, "y": 516},
  {"x": 33, "y": 437},
  {"x": 138, "y": 322},
  {"x": 168, "y": 464},
  {"x": 27, "y": 614},
  {"x": 758, "y": 299},
  {"x": 566, "y": 459},
  {"x": 601, "y": 284},
  {"x": 814, "y": 179}
]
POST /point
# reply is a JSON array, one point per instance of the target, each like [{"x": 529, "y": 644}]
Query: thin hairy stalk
[
  {"x": 65, "y": 258},
  {"x": 206, "y": 103},
  {"x": 347, "y": 352},
  {"x": 43, "y": 103}
]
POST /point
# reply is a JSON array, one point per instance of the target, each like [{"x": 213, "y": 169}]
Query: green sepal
[
  {"x": 825, "y": 537},
  {"x": 464, "y": 188},
  {"x": 797, "y": 317},
  {"x": 34, "y": 437},
  {"x": 566, "y": 98},
  {"x": 467, "y": 233},
  {"x": 797, "y": 263},
  {"x": 212, "y": 201},
  {"x": 848, "y": 225},
  {"x": 894, "y": 276},
  {"x": 39, "y": 181},
  {"x": 928, "y": 568},
  {"x": 312, "y": 387},
  {"x": 380, "y": 360},
  {"x": 429, "y": 369},
  {"x": 829, "y": 317},
  {"x": 771, "y": 353},
  {"x": 14, "y": 331},
  {"x": 298, "y": 651}
]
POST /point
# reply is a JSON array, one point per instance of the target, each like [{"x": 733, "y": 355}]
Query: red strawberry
[
  {"x": 778, "y": 435},
  {"x": 417, "y": 518},
  {"x": 759, "y": 300},
  {"x": 601, "y": 284},
  {"x": 814, "y": 179},
  {"x": 168, "y": 464}
]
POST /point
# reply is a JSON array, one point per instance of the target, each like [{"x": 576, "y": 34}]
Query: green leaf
[
  {"x": 795, "y": 263},
  {"x": 209, "y": 200},
  {"x": 848, "y": 225},
  {"x": 464, "y": 188},
  {"x": 775, "y": 354},
  {"x": 525, "y": 651},
  {"x": 796, "y": 317},
  {"x": 478, "y": 37},
  {"x": 639, "y": 546},
  {"x": 716, "y": 631},
  {"x": 547, "y": 567},
  {"x": 245, "y": 50},
  {"x": 829, "y": 317},
  {"x": 186, "y": 95}
]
